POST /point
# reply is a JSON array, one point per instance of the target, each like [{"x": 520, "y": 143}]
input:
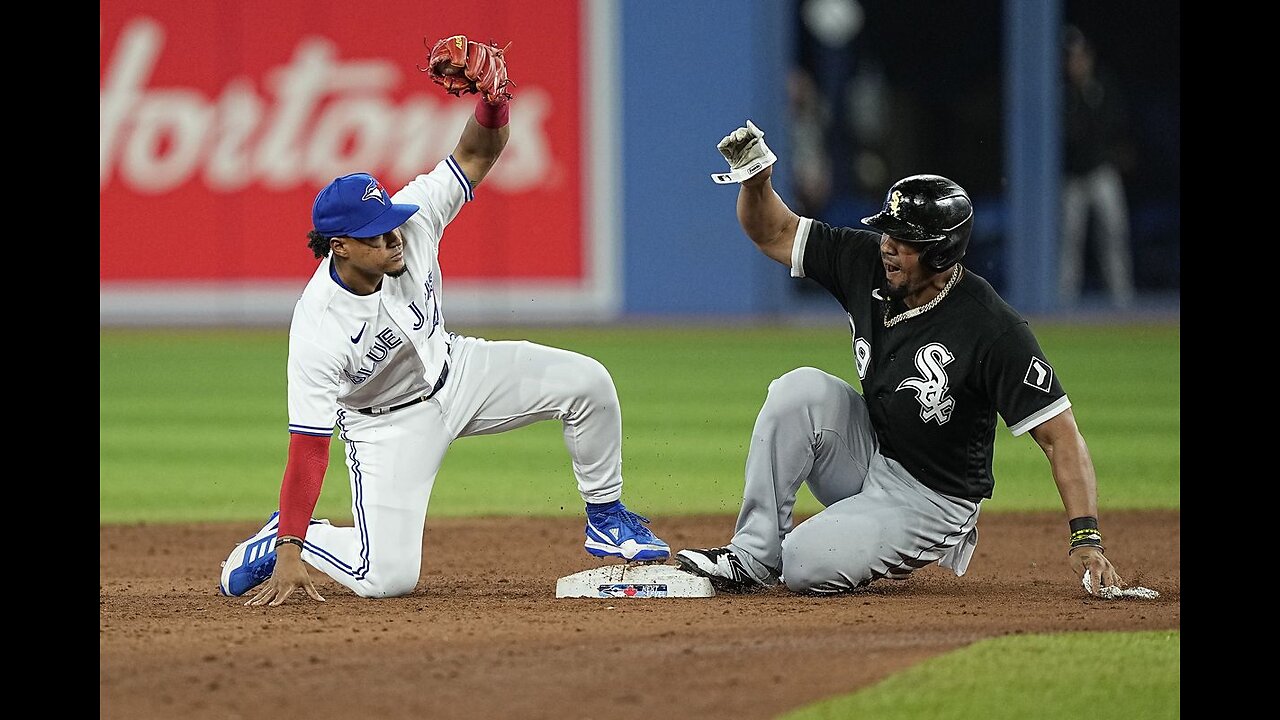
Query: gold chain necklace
[{"x": 890, "y": 322}]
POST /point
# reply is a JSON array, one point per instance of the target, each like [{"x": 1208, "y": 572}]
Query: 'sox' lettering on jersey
[
  {"x": 385, "y": 341},
  {"x": 931, "y": 386}
]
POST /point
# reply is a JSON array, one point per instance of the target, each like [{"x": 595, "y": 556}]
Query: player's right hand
[
  {"x": 1091, "y": 559},
  {"x": 289, "y": 575}
]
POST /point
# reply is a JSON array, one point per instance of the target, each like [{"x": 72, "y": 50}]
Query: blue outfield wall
[{"x": 691, "y": 73}]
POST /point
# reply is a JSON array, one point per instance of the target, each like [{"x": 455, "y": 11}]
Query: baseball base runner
[{"x": 902, "y": 467}]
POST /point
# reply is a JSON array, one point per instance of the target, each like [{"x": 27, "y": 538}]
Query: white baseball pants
[
  {"x": 493, "y": 386},
  {"x": 1102, "y": 191}
]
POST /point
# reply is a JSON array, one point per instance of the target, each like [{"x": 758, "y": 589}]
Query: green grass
[
  {"x": 193, "y": 423},
  {"x": 1048, "y": 677}
]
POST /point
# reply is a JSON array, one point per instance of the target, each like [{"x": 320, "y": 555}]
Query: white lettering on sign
[{"x": 315, "y": 118}]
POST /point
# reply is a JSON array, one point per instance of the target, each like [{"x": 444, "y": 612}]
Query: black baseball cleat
[{"x": 722, "y": 566}]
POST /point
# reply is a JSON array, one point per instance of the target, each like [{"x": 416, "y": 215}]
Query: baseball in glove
[{"x": 463, "y": 67}]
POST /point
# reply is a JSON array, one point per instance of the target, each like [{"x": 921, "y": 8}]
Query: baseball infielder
[
  {"x": 902, "y": 468},
  {"x": 369, "y": 354}
]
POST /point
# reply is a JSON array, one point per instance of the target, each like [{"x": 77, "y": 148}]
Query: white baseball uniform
[{"x": 369, "y": 364}]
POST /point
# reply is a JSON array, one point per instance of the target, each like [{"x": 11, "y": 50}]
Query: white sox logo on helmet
[
  {"x": 895, "y": 200},
  {"x": 931, "y": 386}
]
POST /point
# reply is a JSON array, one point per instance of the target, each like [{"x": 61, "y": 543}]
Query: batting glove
[{"x": 746, "y": 153}]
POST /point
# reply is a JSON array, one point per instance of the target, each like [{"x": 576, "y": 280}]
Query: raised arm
[
  {"x": 1073, "y": 472},
  {"x": 766, "y": 219},
  {"x": 763, "y": 215},
  {"x": 479, "y": 146}
]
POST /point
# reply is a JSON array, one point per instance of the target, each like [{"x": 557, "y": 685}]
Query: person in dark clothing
[{"x": 1093, "y": 130}]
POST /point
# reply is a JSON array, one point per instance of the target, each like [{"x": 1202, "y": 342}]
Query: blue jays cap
[{"x": 357, "y": 205}]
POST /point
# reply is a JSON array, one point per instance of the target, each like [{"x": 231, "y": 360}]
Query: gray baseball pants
[{"x": 878, "y": 521}]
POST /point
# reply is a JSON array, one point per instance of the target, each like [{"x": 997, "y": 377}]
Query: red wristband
[{"x": 493, "y": 116}]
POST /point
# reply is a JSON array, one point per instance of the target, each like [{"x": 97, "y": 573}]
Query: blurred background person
[
  {"x": 810, "y": 119},
  {"x": 1093, "y": 129}
]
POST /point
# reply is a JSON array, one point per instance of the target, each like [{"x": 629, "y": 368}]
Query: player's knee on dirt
[
  {"x": 812, "y": 562},
  {"x": 822, "y": 574},
  {"x": 386, "y": 582}
]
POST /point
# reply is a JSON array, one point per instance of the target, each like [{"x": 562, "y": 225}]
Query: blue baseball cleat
[
  {"x": 618, "y": 532},
  {"x": 252, "y": 561}
]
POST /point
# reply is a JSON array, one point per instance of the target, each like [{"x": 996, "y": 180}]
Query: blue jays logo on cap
[
  {"x": 375, "y": 191},
  {"x": 342, "y": 209}
]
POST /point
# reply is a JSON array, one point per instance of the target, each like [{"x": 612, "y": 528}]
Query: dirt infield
[{"x": 484, "y": 637}]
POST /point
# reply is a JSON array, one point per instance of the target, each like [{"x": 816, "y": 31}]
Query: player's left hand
[
  {"x": 461, "y": 66},
  {"x": 1088, "y": 557},
  {"x": 746, "y": 153},
  {"x": 289, "y": 575}
]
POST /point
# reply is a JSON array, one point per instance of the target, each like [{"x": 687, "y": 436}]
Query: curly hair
[{"x": 318, "y": 243}]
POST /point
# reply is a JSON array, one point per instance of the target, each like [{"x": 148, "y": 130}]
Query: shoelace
[
  {"x": 634, "y": 520},
  {"x": 262, "y": 572}
]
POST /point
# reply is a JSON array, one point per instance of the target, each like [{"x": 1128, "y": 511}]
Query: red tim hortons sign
[{"x": 221, "y": 121}]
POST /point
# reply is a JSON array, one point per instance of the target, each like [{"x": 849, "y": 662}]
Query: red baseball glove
[{"x": 464, "y": 67}]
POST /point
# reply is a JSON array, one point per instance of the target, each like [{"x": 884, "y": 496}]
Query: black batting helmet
[{"x": 928, "y": 209}]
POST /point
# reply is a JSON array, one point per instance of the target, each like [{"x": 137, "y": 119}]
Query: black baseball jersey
[{"x": 934, "y": 380}]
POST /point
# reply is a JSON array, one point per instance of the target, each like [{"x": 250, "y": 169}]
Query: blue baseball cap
[{"x": 357, "y": 205}]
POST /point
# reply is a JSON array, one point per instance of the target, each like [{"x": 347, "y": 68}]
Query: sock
[{"x": 601, "y": 507}]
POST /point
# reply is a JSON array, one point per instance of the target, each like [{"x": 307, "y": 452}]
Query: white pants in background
[{"x": 1098, "y": 193}]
